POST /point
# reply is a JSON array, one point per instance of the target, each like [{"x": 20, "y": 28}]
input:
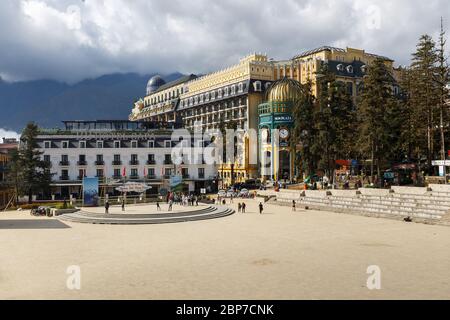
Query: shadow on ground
[{"x": 32, "y": 224}]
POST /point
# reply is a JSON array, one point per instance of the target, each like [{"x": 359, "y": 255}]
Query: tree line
[{"x": 382, "y": 125}]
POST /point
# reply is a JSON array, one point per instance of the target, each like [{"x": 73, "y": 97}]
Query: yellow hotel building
[{"x": 232, "y": 95}]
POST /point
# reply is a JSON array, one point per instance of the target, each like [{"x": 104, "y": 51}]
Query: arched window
[
  {"x": 257, "y": 85},
  {"x": 349, "y": 69}
]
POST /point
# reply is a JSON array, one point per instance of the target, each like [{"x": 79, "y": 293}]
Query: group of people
[
  {"x": 107, "y": 205},
  {"x": 242, "y": 206}
]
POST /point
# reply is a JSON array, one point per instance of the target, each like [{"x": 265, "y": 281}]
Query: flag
[
  {"x": 124, "y": 172},
  {"x": 145, "y": 171}
]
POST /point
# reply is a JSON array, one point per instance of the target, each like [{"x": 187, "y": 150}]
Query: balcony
[
  {"x": 167, "y": 176},
  {"x": 134, "y": 177},
  {"x": 99, "y": 163},
  {"x": 117, "y": 177},
  {"x": 64, "y": 178},
  {"x": 151, "y": 177},
  {"x": 64, "y": 163},
  {"x": 117, "y": 163},
  {"x": 134, "y": 162},
  {"x": 82, "y": 163},
  {"x": 201, "y": 176},
  {"x": 81, "y": 177},
  {"x": 186, "y": 176},
  {"x": 168, "y": 161},
  {"x": 151, "y": 162}
]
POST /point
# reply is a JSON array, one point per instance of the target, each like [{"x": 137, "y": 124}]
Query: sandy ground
[{"x": 277, "y": 255}]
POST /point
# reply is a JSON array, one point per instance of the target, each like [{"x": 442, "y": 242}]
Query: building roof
[
  {"x": 329, "y": 48},
  {"x": 176, "y": 82}
]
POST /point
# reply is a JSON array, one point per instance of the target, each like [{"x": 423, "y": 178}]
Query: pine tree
[
  {"x": 334, "y": 120},
  {"x": 376, "y": 103},
  {"x": 304, "y": 130},
  {"x": 35, "y": 172},
  {"x": 424, "y": 96},
  {"x": 442, "y": 80}
]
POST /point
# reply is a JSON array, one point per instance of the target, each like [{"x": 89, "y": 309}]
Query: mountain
[{"x": 48, "y": 102}]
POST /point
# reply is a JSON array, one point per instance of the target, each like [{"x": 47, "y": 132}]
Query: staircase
[
  {"x": 427, "y": 205},
  {"x": 210, "y": 212}
]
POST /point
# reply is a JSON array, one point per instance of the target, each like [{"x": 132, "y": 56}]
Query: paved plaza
[{"x": 277, "y": 255}]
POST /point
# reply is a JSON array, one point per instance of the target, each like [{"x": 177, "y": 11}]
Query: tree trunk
[
  {"x": 30, "y": 196},
  {"x": 372, "y": 157}
]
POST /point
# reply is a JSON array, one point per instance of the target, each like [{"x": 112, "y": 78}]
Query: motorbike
[{"x": 41, "y": 211}]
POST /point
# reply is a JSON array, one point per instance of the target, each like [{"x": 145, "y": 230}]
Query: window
[
  {"x": 100, "y": 144},
  {"x": 65, "y": 174},
  {"x": 47, "y": 158},
  {"x": 82, "y": 160},
  {"x": 100, "y": 173},
  {"x": 349, "y": 69},
  {"x": 167, "y": 159},
  {"x": 81, "y": 174},
  {"x": 151, "y": 143},
  {"x": 116, "y": 173},
  {"x": 257, "y": 85},
  {"x": 64, "y": 159},
  {"x": 47, "y": 144},
  {"x": 340, "y": 67},
  {"x": 65, "y": 144},
  {"x": 134, "y": 172},
  {"x": 167, "y": 172},
  {"x": 116, "y": 160},
  {"x": 201, "y": 173},
  {"x": 134, "y": 159},
  {"x": 167, "y": 144},
  {"x": 116, "y": 144},
  {"x": 99, "y": 160},
  {"x": 134, "y": 144},
  {"x": 151, "y": 159},
  {"x": 151, "y": 172},
  {"x": 82, "y": 144}
]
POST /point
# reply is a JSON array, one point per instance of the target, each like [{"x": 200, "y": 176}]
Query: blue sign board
[{"x": 90, "y": 192}]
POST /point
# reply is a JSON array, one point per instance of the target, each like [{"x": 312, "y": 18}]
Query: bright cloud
[
  {"x": 8, "y": 134},
  {"x": 74, "y": 39}
]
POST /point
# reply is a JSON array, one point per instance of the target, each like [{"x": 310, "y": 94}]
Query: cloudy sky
[{"x": 70, "y": 40}]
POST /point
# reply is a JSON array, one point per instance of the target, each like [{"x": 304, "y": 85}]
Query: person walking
[
  {"x": 170, "y": 205},
  {"x": 107, "y": 206},
  {"x": 158, "y": 207},
  {"x": 261, "y": 208},
  {"x": 243, "y": 207},
  {"x": 123, "y": 204},
  {"x": 293, "y": 205},
  {"x": 239, "y": 207}
]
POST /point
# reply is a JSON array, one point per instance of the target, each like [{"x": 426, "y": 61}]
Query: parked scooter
[{"x": 41, "y": 211}]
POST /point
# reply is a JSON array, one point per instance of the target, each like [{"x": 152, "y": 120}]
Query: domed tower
[
  {"x": 275, "y": 124},
  {"x": 154, "y": 83}
]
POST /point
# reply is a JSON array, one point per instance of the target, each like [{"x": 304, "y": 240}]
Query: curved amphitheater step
[
  {"x": 428, "y": 205},
  {"x": 210, "y": 212}
]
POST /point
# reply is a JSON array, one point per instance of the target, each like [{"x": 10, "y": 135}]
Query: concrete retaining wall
[
  {"x": 440, "y": 187},
  {"x": 409, "y": 190},
  {"x": 374, "y": 192}
]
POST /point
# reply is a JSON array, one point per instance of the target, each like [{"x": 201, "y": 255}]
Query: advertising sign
[
  {"x": 133, "y": 187},
  {"x": 175, "y": 181},
  {"x": 90, "y": 192}
]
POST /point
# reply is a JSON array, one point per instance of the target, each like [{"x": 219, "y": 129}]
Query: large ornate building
[
  {"x": 6, "y": 192},
  {"x": 230, "y": 97}
]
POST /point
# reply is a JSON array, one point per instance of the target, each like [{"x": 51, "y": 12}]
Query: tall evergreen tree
[
  {"x": 442, "y": 81},
  {"x": 334, "y": 118},
  {"x": 374, "y": 128},
  {"x": 35, "y": 171},
  {"x": 424, "y": 96},
  {"x": 304, "y": 130}
]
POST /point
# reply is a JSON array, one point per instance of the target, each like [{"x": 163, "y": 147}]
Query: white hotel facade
[{"x": 119, "y": 151}]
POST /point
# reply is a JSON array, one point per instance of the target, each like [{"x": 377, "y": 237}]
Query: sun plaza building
[
  {"x": 117, "y": 152},
  {"x": 251, "y": 94}
]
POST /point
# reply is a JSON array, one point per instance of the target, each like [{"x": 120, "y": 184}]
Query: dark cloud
[{"x": 72, "y": 39}]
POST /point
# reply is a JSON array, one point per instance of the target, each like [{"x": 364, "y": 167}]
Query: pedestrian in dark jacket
[
  {"x": 261, "y": 208},
  {"x": 107, "y": 207}
]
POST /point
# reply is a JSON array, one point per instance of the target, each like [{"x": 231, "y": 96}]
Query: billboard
[{"x": 90, "y": 192}]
